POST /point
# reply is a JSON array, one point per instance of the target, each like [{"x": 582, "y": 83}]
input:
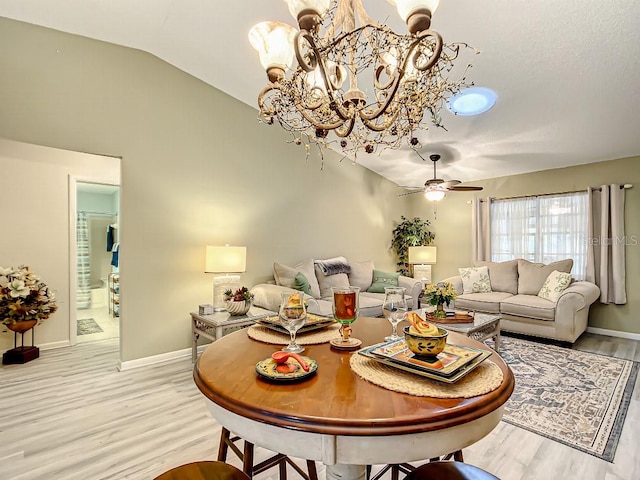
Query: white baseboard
[
  {"x": 161, "y": 358},
  {"x": 52, "y": 345},
  {"x": 614, "y": 333}
]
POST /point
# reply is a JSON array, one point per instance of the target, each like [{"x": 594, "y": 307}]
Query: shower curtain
[{"x": 83, "y": 291}]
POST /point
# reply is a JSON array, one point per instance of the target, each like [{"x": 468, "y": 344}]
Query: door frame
[{"x": 73, "y": 244}]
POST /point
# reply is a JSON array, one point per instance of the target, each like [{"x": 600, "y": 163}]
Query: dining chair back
[
  {"x": 449, "y": 471},
  {"x": 207, "y": 470}
]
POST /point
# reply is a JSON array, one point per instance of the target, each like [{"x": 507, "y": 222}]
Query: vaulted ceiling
[{"x": 566, "y": 72}]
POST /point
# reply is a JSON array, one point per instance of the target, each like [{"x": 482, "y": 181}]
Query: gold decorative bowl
[{"x": 426, "y": 345}]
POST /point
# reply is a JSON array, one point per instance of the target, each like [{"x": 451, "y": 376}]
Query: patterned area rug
[
  {"x": 87, "y": 326},
  {"x": 576, "y": 398}
]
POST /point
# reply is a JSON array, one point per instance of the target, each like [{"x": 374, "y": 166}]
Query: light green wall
[
  {"x": 452, "y": 224},
  {"x": 197, "y": 168}
]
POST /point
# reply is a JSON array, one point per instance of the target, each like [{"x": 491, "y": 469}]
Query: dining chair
[
  {"x": 406, "y": 468},
  {"x": 228, "y": 441},
  {"x": 445, "y": 470},
  {"x": 207, "y": 470}
]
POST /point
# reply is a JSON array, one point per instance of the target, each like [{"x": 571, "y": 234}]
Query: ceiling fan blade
[
  {"x": 434, "y": 181},
  {"x": 411, "y": 193},
  {"x": 450, "y": 183},
  {"x": 463, "y": 188}
]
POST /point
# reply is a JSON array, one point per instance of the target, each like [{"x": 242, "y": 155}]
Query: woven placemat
[
  {"x": 486, "y": 377},
  {"x": 266, "y": 335}
]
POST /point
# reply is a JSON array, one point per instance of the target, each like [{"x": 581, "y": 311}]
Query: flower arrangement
[
  {"x": 240, "y": 295},
  {"x": 24, "y": 297},
  {"x": 440, "y": 293}
]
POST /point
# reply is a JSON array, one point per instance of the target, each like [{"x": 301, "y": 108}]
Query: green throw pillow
[
  {"x": 301, "y": 283},
  {"x": 383, "y": 279}
]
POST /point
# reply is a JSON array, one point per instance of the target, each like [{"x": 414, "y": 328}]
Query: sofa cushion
[
  {"x": 327, "y": 281},
  {"x": 502, "y": 275},
  {"x": 285, "y": 275},
  {"x": 530, "y": 306},
  {"x": 381, "y": 280},
  {"x": 370, "y": 304},
  {"x": 556, "y": 283},
  {"x": 301, "y": 283},
  {"x": 361, "y": 274},
  {"x": 531, "y": 276},
  {"x": 475, "y": 280},
  {"x": 482, "y": 302}
]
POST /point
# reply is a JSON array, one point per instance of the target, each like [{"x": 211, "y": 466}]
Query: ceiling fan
[{"x": 436, "y": 188}]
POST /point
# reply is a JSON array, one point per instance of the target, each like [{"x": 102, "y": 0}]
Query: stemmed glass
[
  {"x": 394, "y": 309},
  {"x": 293, "y": 315},
  {"x": 345, "y": 308}
]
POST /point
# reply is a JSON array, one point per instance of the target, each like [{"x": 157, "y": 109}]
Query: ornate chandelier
[{"x": 321, "y": 100}]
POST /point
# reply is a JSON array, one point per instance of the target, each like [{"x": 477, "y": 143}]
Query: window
[{"x": 541, "y": 229}]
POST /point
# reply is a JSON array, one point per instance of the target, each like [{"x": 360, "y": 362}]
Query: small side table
[{"x": 214, "y": 326}]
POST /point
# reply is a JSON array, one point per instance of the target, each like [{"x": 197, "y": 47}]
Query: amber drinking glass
[{"x": 345, "y": 311}]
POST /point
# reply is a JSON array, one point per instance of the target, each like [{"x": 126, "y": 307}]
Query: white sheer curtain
[
  {"x": 541, "y": 229},
  {"x": 607, "y": 242}
]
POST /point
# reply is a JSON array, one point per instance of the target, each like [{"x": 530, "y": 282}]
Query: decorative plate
[{"x": 267, "y": 369}]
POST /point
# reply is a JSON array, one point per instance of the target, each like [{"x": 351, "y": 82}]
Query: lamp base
[
  {"x": 220, "y": 284},
  {"x": 422, "y": 273}
]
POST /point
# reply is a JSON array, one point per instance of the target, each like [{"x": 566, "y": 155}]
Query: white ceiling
[{"x": 567, "y": 72}]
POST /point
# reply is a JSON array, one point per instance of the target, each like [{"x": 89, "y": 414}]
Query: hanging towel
[
  {"x": 110, "y": 237},
  {"x": 114, "y": 254}
]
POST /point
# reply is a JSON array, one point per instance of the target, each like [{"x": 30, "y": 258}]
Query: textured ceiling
[{"x": 566, "y": 72}]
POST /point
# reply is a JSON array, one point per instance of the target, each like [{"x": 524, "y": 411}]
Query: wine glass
[
  {"x": 345, "y": 308},
  {"x": 293, "y": 315},
  {"x": 394, "y": 309}
]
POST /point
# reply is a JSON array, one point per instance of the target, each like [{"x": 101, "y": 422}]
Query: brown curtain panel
[{"x": 481, "y": 230}]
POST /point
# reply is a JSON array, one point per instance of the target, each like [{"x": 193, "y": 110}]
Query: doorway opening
[{"x": 97, "y": 261}]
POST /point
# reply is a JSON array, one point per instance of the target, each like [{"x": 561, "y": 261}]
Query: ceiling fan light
[
  {"x": 434, "y": 195},
  {"x": 416, "y": 13},
  {"x": 274, "y": 43}
]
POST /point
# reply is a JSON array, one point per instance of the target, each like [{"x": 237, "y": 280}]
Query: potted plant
[
  {"x": 238, "y": 302},
  {"x": 25, "y": 301},
  {"x": 409, "y": 233}
]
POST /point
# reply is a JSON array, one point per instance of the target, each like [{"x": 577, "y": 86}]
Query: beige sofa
[
  {"x": 360, "y": 274},
  {"x": 515, "y": 286}
]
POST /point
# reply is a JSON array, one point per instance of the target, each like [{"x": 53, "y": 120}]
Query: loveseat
[
  {"x": 316, "y": 277},
  {"x": 531, "y": 298}
]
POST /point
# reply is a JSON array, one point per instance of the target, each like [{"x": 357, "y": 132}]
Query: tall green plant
[{"x": 409, "y": 233}]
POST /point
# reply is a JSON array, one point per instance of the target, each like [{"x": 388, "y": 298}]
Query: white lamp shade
[
  {"x": 407, "y": 7},
  {"x": 434, "y": 195},
  {"x": 423, "y": 255},
  {"x": 225, "y": 259},
  {"x": 297, "y": 6},
  {"x": 274, "y": 43}
]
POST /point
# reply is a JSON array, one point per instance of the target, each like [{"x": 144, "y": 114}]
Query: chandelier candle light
[{"x": 321, "y": 95}]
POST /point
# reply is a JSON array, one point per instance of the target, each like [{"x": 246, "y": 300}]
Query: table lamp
[
  {"x": 421, "y": 259},
  {"x": 224, "y": 259}
]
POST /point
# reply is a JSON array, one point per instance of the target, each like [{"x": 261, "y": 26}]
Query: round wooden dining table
[{"x": 335, "y": 416}]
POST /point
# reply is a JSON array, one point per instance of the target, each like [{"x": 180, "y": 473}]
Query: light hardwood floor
[{"x": 70, "y": 415}]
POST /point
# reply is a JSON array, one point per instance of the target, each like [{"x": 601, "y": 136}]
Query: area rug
[
  {"x": 576, "y": 398},
  {"x": 87, "y": 326}
]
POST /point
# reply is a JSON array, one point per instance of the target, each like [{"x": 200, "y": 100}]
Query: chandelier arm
[
  {"x": 314, "y": 122},
  {"x": 379, "y": 128},
  {"x": 307, "y": 66},
  {"x": 436, "y": 53},
  {"x": 350, "y": 124}
]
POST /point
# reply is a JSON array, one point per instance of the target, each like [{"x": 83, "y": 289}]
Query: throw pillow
[
  {"x": 502, "y": 275},
  {"x": 301, "y": 283},
  {"x": 475, "y": 280},
  {"x": 361, "y": 274},
  {"x": 556, "y": 283},
  {"x": 327, "y": 281},
  {"x": 285, "y": 275},
  {"x": 331, "y": 266},
  {"x": 531, "y": 276},
  {"x": 381, "y": 280}
]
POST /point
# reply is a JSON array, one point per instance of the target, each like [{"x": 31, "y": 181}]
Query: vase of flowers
[
  {"x": 238, "y": 302},
  {"x": 25, "y": 301},
  {"x": 439, "y": 295}
]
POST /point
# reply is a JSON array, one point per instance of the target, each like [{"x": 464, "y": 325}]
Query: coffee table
[{"x": 484, "y": 326}]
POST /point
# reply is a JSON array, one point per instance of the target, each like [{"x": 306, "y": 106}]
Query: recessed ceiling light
[{"x": 472, "y": 101}]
